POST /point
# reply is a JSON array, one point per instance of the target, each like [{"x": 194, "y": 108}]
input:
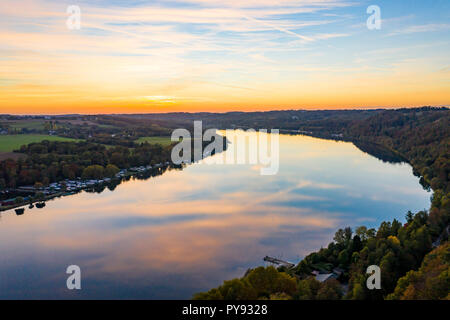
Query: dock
[{"x": 279, "y": 262}]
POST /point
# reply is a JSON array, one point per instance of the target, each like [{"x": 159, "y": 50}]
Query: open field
[
  {"x": 39, "y": 124},
  {"x": 9, "y": 143},
  {"x": 164, "y": 141}
]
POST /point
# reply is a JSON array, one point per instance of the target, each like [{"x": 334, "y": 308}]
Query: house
[
  {"x": 322, "y": 277},
  {"x": 27, "y": 188},
  {"x": 338, "y": 271},
  {"x": 326, "y": 276}
]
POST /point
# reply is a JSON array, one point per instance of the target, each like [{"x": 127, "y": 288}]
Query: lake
[{"x": 186, "y": 231}]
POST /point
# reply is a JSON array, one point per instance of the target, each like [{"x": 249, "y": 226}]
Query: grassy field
[
  {"x": 28, "y": 124},
  {"x": 40, "y": 124},
  {"x": 9, "y": 143},
  {"x": 165, "y": 141}
]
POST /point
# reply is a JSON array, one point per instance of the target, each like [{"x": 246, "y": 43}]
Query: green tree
[
  {"x": 18, "y": 200},
  {"x": 111, "y": 170},
  {"x": 267, "y": 281},
  {"x": 308, "y": 288},
  {"x": 38, "y": 185},
  {"x": 343, "y": 236},
  {"x": 409, "y": 216},
  {"x": 93, "y": 172},
  {"x": 330, "y": 290},
  {"x": 430, "y": 282}
]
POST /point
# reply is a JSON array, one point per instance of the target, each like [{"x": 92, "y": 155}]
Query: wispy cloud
[
  {"x": 421, "y": 28},
  {"x": 203, "y": 52}
]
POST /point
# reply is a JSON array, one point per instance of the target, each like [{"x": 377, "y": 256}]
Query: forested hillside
[
  {"x": 410, "y": 268},
  {"x": 422, "y": 136},
  {"x": 48, "y": 162}
]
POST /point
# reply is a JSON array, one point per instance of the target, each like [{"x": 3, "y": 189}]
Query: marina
[{"x": 67, "y": 188}]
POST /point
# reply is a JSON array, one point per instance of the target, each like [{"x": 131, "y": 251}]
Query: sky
[{"x": 221, "y": 55}]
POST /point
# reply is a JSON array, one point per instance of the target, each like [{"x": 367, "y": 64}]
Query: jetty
[{"x": 279, "y": 262}]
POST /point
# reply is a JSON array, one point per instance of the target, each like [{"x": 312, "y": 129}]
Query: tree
[
  {"x": 308, "y": 288},
  {"x": 118, "y": 160},
  {"x": 330, "y": 290},
  {"x": 93, "y": 172},
  {"x": 68, "y": 172},
  {"x": 18, "y": 200},
  {"x": 111, "y": 170},
  {"x": 343, "y": 236},
  {"x": 39, "y": 196},
  {"x": 267, "y": 281},
  {"x": 344, "y": 258},
  {"x": 259, "y": 283},
  {"x": 356, "y": 244},
  {"x": 237, "y": 289},
  {"x": 361, "y": 232},
  {"x": 409, "y": 216},
  {"x": 280, "y": 296},
  {"x": 213, "y": 294},
  {"x": 430, "y": 282},
  {"x": 38, "y": 185}
]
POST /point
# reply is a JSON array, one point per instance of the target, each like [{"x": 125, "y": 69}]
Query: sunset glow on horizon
[{"x": 218, "y": 56}]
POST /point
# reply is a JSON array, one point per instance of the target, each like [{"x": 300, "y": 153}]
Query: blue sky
[{"x": 227, "y": 55}]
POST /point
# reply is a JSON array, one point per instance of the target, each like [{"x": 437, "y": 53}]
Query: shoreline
[{"x": 124, "y": 174}]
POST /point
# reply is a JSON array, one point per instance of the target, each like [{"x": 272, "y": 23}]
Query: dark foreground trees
[
  {"x": 430, "y": 282},
  {"x": 259, "y": 283},
  {"x": 394, "y": 247},
  {"x": 402, "y": 251}
]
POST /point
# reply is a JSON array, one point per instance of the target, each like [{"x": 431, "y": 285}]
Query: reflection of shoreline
[
  {"x": 371, "y": 148},
  {"x": 185, "y": 232},
  {"x": 100, "y": 187},
  {"x": 140, "y": 173},
  {"x": 380, "y": 152}
]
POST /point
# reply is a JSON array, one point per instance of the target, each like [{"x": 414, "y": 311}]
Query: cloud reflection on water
[{"x": 188, "y": 230}]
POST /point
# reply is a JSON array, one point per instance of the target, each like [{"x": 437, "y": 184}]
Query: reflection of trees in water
[
  {"x": 156, "y": 171},
  {"x": 138, "y": 176},
  {"x": 388, "y": 156},
  {"x": 380, "y": 152}
]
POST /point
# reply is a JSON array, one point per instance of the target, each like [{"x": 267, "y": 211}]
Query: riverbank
[
  {"x": 399, "y": 249},
  {"x": 71, "y": 187}
]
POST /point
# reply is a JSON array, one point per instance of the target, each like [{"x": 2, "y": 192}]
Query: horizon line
[{"x": 227, "y": 112}]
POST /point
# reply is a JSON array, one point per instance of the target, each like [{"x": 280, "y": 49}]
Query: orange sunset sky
[{"x": 211, "y": 55}]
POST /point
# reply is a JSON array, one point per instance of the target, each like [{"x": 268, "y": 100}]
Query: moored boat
[
  {"x": 40, "y": 205},
  {"x": 20, "y": 211}
]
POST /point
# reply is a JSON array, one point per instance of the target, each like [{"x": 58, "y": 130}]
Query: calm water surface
[{"x": 187, "y": 231}]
